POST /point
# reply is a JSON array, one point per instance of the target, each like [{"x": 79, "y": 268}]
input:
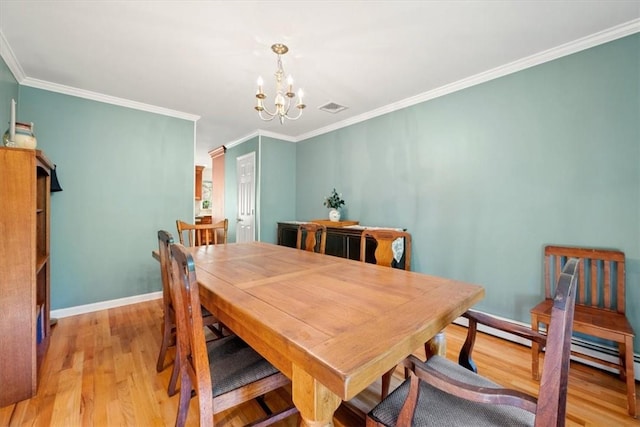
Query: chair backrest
[
  {"x": 194, "y": 360},
  {"x": 601, "y": 278},
  {"x": 552, "y": 396},
  {"x": 165, "y": 240},
  {"x": 388, "y": 246},
  {"x": 202, "y": 234},
  {"x": 309, "y": 232}
]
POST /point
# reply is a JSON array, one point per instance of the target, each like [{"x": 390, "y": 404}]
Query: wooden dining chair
[
  {"x": 314, "y": 237},
  {"x": 165, "y": 240},
  {"x": 223, "y": 373},
  {"x": 202, "y": 234},
  {"x": 392, "y": 249},
  {"x": 443, "y": 393},
  {"x": 600, "y": 306}
]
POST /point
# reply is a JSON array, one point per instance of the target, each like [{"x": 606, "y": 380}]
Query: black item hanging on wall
[{"x": 55, "y": 185}]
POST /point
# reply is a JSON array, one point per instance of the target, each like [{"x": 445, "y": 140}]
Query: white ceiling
[{"x": 202, "y": 58}]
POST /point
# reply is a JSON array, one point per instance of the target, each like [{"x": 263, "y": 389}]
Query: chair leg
[
  {"x": 166, "y": 339},
  {"x": 175, "y": 371},
  {"x": 535, "y": 350},
  {"x": 386, "y": 383},
  {"x": 627, "y": 348},
  {"x": 216, "y": 328},
  {"x": 185, "y": 398},
  {"x": 436, "y": 346}
]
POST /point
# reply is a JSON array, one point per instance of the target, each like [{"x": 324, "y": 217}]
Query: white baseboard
[
  {"x": 577, "y": 346},
  {"x": 104, "y": 305}
]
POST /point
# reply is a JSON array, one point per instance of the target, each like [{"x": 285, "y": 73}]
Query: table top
[{"x": 343, "y": 322}]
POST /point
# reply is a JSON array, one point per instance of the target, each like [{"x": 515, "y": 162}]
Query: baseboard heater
[{"x": 582, "y": 351}]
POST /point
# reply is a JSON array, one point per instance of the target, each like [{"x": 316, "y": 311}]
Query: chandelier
[{"x": 284, "y": 93}]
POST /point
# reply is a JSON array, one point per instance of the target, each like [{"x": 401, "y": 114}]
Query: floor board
[{"x": 100, "y": 371}]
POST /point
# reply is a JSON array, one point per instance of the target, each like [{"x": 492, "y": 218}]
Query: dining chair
[
  {"x": 440, "y": 392},
  {"x": 165, "y": 240},
  {"x": 314, "y": 237},
  {"x": 392, "y": 249},
  {"x": 223, "y": 373},
  {"x": 202, "y": 234},
  {"x": 600, "y": 306}
]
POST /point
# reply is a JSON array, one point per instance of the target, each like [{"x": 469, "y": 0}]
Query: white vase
[{"x": 334, "y": 215}]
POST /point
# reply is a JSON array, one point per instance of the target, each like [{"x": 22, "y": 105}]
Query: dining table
[{"x": 331, "y": 325}]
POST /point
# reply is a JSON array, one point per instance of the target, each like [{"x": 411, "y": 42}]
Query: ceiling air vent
[{"x": 332, "y": 107}]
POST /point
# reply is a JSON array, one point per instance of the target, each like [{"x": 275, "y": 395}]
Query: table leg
[
  {"x": 315, "y": 402},
  {"x": 436, "y": 345}
]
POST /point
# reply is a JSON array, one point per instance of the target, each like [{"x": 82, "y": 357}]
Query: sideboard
[{"x": 343, "y": 242}]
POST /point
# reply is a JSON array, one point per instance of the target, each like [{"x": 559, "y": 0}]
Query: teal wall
[
  {"x": 231, "y": 181},
  {"x": 484, "y": 177},
  {"x": 126, "y": 174},
  {"x": 277, "y": 185}
]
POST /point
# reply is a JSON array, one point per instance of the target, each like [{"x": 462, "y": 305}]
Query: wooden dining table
[{"x": 331, "y": 325}]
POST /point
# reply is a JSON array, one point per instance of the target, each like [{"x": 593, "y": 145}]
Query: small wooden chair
[
  {"x": 165, "y": 240},
  {"x": 386, "y": 255},
  {"x": 223, "y": 373},
  {"x": 600, "y": 306},
  {"x": 202, "y": 234},
  {"x": 443, "y": 393},
  {"x": 308, "y": 233}
]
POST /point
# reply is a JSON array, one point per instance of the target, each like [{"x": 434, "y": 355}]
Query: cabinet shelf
[{"x": 41, "y": 262}]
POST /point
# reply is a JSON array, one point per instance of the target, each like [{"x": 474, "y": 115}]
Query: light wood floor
[{"x": 100, "y": 371}]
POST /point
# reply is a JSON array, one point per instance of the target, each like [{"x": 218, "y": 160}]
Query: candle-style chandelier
[{"x": 284, "y": 94}]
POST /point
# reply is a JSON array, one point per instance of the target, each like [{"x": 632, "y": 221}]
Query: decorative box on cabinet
[{"x": 25, "y": 266}]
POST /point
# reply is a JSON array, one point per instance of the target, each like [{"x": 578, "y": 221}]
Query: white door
[{"x": 246, "y": 168}]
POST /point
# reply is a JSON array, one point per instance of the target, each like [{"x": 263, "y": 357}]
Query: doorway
[{"x": 246, "y": 170}]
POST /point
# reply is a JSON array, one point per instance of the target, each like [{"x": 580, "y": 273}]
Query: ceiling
[{"x": 202, "y": 58}]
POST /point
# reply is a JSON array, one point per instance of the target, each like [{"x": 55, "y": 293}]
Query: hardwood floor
[{"x": 100, "y": 371}]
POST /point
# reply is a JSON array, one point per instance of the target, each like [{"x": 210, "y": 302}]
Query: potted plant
[{"x": 334, "y": 202}]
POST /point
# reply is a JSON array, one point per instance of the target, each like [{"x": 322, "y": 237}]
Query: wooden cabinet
[
  {"x": 25, "y": 269},
  {"x": 342, "y": 242},
  {"x": 198, "y": 194}
]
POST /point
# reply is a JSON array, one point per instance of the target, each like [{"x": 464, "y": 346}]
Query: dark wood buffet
[{"x": 342, "y": 241}]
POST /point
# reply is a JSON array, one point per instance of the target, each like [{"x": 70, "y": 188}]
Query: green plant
[{"x": 334, "y": 201}]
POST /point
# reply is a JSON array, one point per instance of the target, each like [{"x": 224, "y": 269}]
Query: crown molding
[
  {"x": 261, "y": 132},
  {"x": 95, "y": 96},
  {"x": 566, "y": 49},
  {"x": 217, "y": 152},
  {"x": 18, "y": 73},
  {"x": 241, "y": 140},
  {"x": 575, "y": 46},
  {"x": 10, "y": 59},
  {"x": 276, "y": 135}
]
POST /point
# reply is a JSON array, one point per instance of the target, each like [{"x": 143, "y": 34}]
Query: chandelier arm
[
  {"x": 296, "y": 117},
  {"x": 286, "y": 110},
  {"x": 268, "y": 119},
  {"x": 269, "y": 113}
]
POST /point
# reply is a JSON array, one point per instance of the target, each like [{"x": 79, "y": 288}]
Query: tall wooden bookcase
[{"x": 25, "y": 179}]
